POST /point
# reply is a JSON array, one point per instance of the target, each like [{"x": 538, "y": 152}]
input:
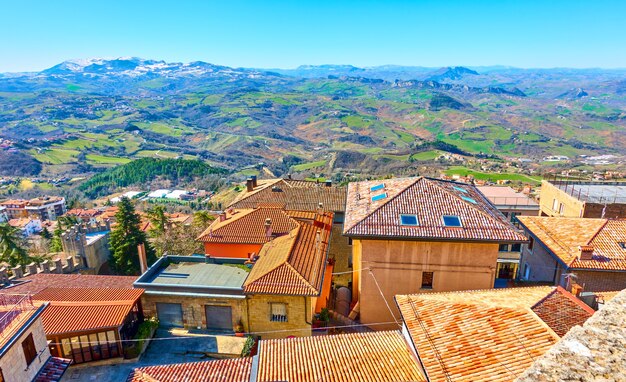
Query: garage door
[
  {"x": 170, "y": 314},
  {"x": 219, "y": 317}
]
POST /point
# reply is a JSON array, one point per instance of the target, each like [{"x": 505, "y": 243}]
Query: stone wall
[
  {"x": 600, "y": 281},
  {"x": 299, "y": 316},
  {"x": 341, "y": 251},
  {"x": 13, "y": 362}
]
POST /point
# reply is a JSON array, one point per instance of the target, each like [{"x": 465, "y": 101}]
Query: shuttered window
[{"x": 30, "y": 351}]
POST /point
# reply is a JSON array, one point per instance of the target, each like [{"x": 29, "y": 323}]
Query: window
[
  {"x": 427, "y": 280},
  {"x": 278, "y": 312},
  {"x": 376, "y": 198},
  {"x": 460, "y": 189},
  {"x": 349, "y": 241},
  {"x": 468, "y": 199},
  {"x": 451, "y": 221},
  {"x": 555, "y": 205},
  {"x": 408, "y": 220},
  {"x": 561, "y": 208},
  {"x": 377, "y": 187},
  {"x": 526, "y": 271},
  {"x": 30, "y": 351},
  {"x": 531, "y": 243},
  {"x": 516, "y": 247},
  {"x": 503, "y": 248}
]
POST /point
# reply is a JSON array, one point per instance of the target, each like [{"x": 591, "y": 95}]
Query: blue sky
[{"x": 270, "y": 34}]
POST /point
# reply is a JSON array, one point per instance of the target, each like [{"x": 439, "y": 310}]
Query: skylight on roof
[
  {"x": 468, "y": 199},
  {"x": 378, "y": 197},
  {"x": 410, "y": 220},
  {"x": 377, "y": 187},
  {"x": 460, "y": 189},
  {"x": 451, "y": 221}
]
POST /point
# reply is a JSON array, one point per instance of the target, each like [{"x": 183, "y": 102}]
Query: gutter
[{"x": 437, "y": 239}]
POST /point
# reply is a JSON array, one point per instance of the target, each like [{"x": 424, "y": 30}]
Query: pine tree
[
  {"x": 56, "y": 244},
  {"x": 125, "y": 238},
  {"x": 12, "y": 248}
]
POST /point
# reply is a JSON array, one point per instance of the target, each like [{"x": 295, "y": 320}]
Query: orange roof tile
[
  {"x": 57, "y": 295},
  {"x": 564, "y": 236},
  {"x": 225, "y": 370},
  {"x": 429, "y": 199},
  {"x": 294, "y": 195},
  {"x": 58, "y": 319},
  {"x": 561, "y": 311},
  {"x": 362, "y": 357},
  {"x": 293, "y": 264},
  {"x": 248, "y": 226},
  {"x": 35, "y": 283},
  {"x": 472, "y": 340}
]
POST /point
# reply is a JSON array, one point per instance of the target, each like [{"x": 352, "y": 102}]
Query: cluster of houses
[
  {"x": 421, "y": 279},
  {"x": 30, "y": 216}
]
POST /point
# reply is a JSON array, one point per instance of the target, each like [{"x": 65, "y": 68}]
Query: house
[
  {"x": 28, "y": 226},
  {"x": 309, "y": 196},
  {"x": 279, "y": 290},
  {"x": 420, "y": 234},
  {"x": 87, "y": 317},
  {"x": 357, "y": 357},
  {"x": 486, "y": 335},
  {"x": 4, "y": 217},
  {"x": 583, "y": 199},
  {"x": 85, "y": 215},
  {"x": 46, "y": 207},
  {"x": 24, "y": 354},
  {"x": 15, "y": 208},
  {"x": 590, "y": 252}
]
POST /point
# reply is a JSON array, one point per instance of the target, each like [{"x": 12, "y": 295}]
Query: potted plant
[{"x": 239, "y": 329}]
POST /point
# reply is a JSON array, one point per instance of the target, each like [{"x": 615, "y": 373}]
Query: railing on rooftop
[
  {"x": 11, "y": 306},
  {"x": 513, "y": 201},
  {"x": 576, "y": 188}
]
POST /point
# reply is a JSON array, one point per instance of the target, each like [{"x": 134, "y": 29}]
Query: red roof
[
  {"x": 377, "y": 213},
  {"x": 561, "y": 311},
  {"x": 53, "y": 370},
  {"x": 225, "y": 370},
  {"x": 35, "y": 283},
  {"x": 88, "y": 294}
]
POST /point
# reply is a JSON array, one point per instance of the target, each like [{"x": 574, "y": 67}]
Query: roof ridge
[
  {"x": 291, "y": 246},
  {"x": 417, "y": 179},
  {"x": 606, "y": 222},
  {"x": 475, "y": 290},
  {"x": 575, "y": 299},
  {"x": 302, "y": 278},
  {"x": 542, "y": 323}
]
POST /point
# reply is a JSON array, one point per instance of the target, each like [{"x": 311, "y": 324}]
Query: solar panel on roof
[
  {"x": 468, "y": 199},
  {"x": 451, "y": 221},
  {"x": 460, "y": 189},
  {"x": 378, "y": 197},
  {"x": 377, "y": 187}
]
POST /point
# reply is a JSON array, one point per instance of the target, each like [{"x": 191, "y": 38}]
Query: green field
[
  {"x": 493, "y": 177},
  {"x": 426, "y": 155},
  {"x": 103, "y": 159},
  {"x": 56, "y": 155},
  {"x": 308, "y": 166}
]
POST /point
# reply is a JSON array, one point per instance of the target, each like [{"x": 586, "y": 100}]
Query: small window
[
  {"x": 377, "y": 187},
  {"x": 531, "y": 243},
  {"x": 451, "y": 221},
  {"x": 30, "y": 351},
  {"x": 376, "y": 198},
  {"x": 561, "y": 208},
  {"x": 526, "y": 271},
  {"x": 468, "y": 199},
  {"x": 516, "y": 247},
  {"x": 278, "y": 312},
  {"x": 349, "y": 241},
  {"x": 555, "y": 204},
  {"x": 460, "y": 189},
  {"x": 503, "y": 248},
  {"x": 408, "y": 220},
  {"x": 427, "y": 280}
]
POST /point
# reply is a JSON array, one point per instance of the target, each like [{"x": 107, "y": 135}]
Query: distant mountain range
[{"x": 81, "y": 115}]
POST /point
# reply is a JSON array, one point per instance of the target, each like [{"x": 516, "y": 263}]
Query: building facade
[{"x": 583, "y": 199}]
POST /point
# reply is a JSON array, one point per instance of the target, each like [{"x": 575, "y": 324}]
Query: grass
[
  {"x": 493, "y": 177},
  {"x": 426, "y": 155},
  {"x": 103, "y": 159},
  {"x": 308, "y": 166},
  {"x": 56, "y": 155}
]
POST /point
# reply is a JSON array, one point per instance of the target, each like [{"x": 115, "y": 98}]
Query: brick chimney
[
  {"x": 328, "y": 183},
  {"x": 320, "y": 208},
  {"x": 254, "y": 183},
  {"x": 577, "y": 289},
  {"x": 268, "y": 228},
  {"x": 143, "y": 261},
  {"x": 249, "y": 185},
  {"x": 585, "y": 252},
  {"x": 222, "y": 216}
]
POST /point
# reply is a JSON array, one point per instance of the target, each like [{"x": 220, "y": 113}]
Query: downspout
[
  {"x": 307, "y": 322},
  {"x": 248, "y": 313}
]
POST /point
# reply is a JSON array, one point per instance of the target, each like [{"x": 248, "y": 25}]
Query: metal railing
[
  {"x": 14, "y": 305},
  {"x": 513, "y": 201}
]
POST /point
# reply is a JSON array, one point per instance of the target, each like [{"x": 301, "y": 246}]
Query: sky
[{"x": 35, "y": 35}]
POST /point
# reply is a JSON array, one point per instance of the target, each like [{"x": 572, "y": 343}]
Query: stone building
[{"x": 90, "y": 244}]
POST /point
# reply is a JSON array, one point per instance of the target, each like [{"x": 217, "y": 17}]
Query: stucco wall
[
  {"x": 299, "y": 316},
  {"x": 572, "y": 207},
  {"x": 13, "y": 363},
  {"x": 240, "y": 251},
  {"x": 397, "y": 267},
  {"x": 193, "y": 308},
  {"x": 542, "y": 265}
]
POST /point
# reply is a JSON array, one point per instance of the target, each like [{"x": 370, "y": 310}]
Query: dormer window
[
  {"x": 409, "y": 220},
  {"x": 451, "y": 221}
]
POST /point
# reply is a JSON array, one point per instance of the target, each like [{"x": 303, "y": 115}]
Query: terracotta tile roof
[
  {"x": 53, "y": 370},
  {"x": 36, "y": 283},
  {"x": 564, "y": 236},
  {"x": 19, "y": 222},
  {"x": 561, "y": 311},
  {"x": 56, "y": 295},
  {"x": 294, "y": 195},
  {"x": 514, "y": 298},
  {"x": 293, "y": 264},
  {"x": 475, "y": 341},
  {"x": 248, "y": 226},
  {"x": 225, "y": 370},
  {"x": 362, "y": 357},
  {"x": 17, "y": 202},
  {"x": 81, "y": 212},
  {"x": 430, "y": 200},
  {"x": 61, "y": 318}
]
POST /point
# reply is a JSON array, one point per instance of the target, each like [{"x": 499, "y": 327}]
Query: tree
[
  {"x": 159, "y": 221},
  {"x": 12, "y": 248},
  {"x": 202, "y": 219},
  {"x": 125, "y": 238},
  {"x": 56, "y": 244},
  {"x": 45, "y": 233}
]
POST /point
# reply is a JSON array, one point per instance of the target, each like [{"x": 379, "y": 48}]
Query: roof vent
[
  {"x": 268, "y": 228},
  {"x": 276, "y": 189},
  {"x": 585, "y": 252}
]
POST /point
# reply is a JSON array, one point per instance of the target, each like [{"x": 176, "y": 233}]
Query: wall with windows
[
  {"x": 88, "y": 347},
  {"x": 537, "y": 265},
  {"x": 266, "y": 315},
  {"x": 13, "y": 363},
  {"x": 391, "y": 267},
  {"x": 555, "y": 202}
]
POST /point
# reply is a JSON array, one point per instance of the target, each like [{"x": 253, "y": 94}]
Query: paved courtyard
[{"x": 183, "y": 348}]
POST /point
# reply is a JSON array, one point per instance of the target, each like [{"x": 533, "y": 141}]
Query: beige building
[
  {"x": 583, "y": 199},
  {"x": 420, "y": 235}
]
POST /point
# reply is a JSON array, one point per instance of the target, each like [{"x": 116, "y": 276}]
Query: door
[
  {"x": 219, "y": 317},
  {"x": 169, "y": 314}
]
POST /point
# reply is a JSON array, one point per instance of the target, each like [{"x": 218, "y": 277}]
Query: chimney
[
  {"x": 254, "y": 183},
  {"x": 223, "y": 216},
  {"x": 268, "y": 228},
  {"x": 328, "y": 182},
  {"x": 18, "y": 272},
  {"x": 249, "y": 185},
  {"x": 32, "y": 268},
  {"x": 576, "y": 289},
  {"x": 143, "y": 261},
  {"x": 585, "y": 252},
  {"x": 320, "y": 208}
]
